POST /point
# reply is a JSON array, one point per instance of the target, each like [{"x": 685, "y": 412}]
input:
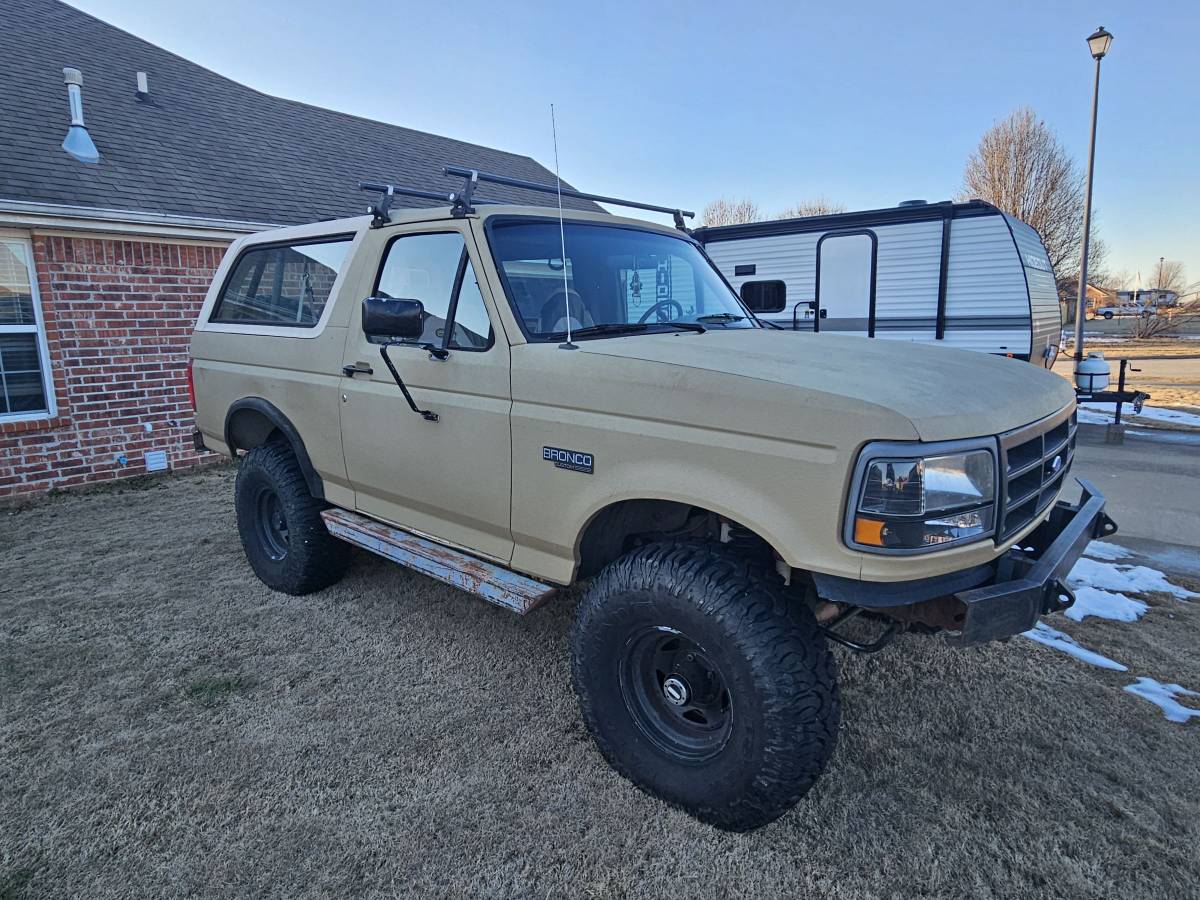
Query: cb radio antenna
[{"x": 562, "y": 235}]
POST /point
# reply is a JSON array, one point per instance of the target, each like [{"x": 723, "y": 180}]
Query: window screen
[
  {"x": 281, "y": 284},
  {"x": 765, "y": 296},
  {"x": 436, "y": 269}
]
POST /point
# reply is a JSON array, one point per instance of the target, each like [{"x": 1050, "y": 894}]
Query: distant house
[
  {"x": 1068, "y": 296},
  {"x": 103, "y": 264}
]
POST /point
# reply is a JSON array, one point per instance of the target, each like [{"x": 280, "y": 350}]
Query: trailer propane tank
[{"x": 1091, "y": 374}]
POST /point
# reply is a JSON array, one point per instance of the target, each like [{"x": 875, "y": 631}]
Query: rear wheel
[
  {"x": 280, "y": 524},
  {"x": 1108, "y": 315},
  {"x": 704, "y": 684}
]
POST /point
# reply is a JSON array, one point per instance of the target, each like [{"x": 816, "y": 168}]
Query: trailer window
[
  {"x": 765, "y": 296},
  {"x": 281, "y": 284}
]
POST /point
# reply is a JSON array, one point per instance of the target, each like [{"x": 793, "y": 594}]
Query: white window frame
[{"x": 39, "y": 328}]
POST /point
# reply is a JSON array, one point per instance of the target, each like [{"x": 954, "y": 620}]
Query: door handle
[{"x": 357, "y": 369}]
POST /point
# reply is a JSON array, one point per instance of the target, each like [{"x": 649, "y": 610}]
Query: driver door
[{"x": 449, "y": 479}]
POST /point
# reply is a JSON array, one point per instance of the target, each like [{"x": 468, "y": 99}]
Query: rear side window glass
[
  {"x": 764, "y": 296},
  {"x": 281, "y": 284},
  {"x": 436, "y": 269}
]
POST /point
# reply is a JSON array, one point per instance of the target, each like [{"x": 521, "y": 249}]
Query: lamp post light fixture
[{"x": 1098, "y": 43}]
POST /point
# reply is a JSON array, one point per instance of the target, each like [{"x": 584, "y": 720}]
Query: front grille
[{"x": 1035, "y": 461}]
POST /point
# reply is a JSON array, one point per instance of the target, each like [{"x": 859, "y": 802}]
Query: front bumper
[
  {"x": 1001, "y": 598},
  {"x": 1030, "y": 580}
]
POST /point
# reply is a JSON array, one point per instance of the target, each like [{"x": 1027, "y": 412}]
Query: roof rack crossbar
[
  {"x": 379, "y": 210},
  {"x": 473, "y": 176}
]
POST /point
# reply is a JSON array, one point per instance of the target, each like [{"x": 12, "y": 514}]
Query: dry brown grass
[{"x": 169, "y": 727}]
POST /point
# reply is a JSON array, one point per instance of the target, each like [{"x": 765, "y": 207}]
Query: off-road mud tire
[
  {"x": 311, "y": 558},
  {"x": 771, "y": 656}
]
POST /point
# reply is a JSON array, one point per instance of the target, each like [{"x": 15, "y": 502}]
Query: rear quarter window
[{"x": 281, "y": 284}]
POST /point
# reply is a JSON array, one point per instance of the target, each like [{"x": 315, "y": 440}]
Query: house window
[
  {"x": 281, "y": 284},
  {"x": 26, "y": 390},
  {"x": 764, "y": 296}
]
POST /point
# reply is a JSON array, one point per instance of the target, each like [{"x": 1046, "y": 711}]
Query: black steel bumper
[{"x": 1030, "y": 580}]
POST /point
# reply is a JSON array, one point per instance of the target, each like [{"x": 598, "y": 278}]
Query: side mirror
[{"x": 387, "y": 317}]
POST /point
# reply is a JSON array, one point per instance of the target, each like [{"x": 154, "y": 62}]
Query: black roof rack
[
  {"x": 473, "y": 176},
  {"x": 461, "y": 202}
]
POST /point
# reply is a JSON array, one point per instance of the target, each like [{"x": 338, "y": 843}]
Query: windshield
[{"x": 614, "y": 281}]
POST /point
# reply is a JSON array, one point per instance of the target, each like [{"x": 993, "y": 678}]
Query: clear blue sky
[{"x": 867, "y": 103}]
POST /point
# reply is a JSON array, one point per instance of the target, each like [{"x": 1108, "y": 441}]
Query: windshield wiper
[
  {"x": 622, "y": 328},
  {"x": 720, "y": 317}
]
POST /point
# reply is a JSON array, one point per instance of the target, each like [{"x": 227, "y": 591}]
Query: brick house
[{"x": 104, "y": 264}]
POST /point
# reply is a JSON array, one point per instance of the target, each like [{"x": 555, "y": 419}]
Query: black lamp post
[{"x": 1098, "y": 44}]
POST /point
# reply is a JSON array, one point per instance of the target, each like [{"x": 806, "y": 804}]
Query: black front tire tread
[{"x": 783, "y": 643}]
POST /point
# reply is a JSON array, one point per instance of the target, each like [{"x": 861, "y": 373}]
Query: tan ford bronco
[{"x": 511, "y": 401}]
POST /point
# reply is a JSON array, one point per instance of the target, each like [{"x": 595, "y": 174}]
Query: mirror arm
[{"x": 425, "y": 414}]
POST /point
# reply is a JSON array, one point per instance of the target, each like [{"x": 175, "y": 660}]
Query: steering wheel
[{"x": 663, "y": 304}]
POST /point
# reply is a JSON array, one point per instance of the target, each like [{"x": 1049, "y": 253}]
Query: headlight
[{"x": 903, "y": 503}]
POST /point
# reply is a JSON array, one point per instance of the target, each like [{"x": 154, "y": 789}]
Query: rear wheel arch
[{"x": 253, "y": 421}]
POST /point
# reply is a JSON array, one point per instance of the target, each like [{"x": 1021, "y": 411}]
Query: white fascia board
[{"x": 25, "y": 214}]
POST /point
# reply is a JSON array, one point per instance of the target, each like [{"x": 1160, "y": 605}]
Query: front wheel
[
  {"x": 1108, "y": 315},
  {"x": 280, "y": 524},
  {"x": 704, "y": 684}
]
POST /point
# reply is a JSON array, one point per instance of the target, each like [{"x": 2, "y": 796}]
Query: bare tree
[
  {"x": 1021, "y": 167},
  {"x": 730, "y": 212},
  {"x": 1116, "y": 280},
  {"x": 818, "y": 206},
  {"x": 1170, "y": 275}
]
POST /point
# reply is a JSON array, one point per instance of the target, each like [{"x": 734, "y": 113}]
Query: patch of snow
[
  {"x": 1051, "y": 637},
  {"x": 1102, "y": 413},
  {"x": 1090, "y": 601},
  {"x": 1123, "y": 579},
  {"x": 1163, "y": 696},
  {"x": 1094, "y": 417},
  {"x": 1106, "y": 550}
]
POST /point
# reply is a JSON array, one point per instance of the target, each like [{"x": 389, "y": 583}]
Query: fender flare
[{"x": 280, "y": 422}]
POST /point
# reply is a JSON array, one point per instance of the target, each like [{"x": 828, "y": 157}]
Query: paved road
[{"x": 1153, "y": 489}]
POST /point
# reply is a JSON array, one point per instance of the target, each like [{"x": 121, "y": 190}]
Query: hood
[{"x": 946, "y": 394}]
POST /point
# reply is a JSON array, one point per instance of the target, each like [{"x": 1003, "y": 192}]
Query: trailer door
[{"x": 846, "y": 283}]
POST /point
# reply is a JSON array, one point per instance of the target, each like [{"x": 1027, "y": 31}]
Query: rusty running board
[{"x": 484, "y": 579}]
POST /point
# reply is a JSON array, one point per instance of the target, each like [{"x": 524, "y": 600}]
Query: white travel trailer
[{"x": 960, "y": 274}]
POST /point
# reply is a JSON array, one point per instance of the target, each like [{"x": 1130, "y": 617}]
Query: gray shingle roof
[{"x": 205, "y": 145}]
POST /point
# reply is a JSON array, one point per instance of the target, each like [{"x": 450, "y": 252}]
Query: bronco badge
[{"x": 569, "y": 459}]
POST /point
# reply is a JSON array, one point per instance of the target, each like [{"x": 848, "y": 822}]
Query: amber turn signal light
[{"x": 868, "y": 531}]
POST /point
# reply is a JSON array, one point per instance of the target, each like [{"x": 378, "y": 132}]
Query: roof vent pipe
[
  {"x": 143, "y": 86},
  {"x": 78, "y": 142}
]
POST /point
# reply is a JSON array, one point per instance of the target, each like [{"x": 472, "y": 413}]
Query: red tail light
[{"x": 191, "y": 385}]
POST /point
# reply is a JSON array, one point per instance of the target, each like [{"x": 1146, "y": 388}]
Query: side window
[
  {"x": 281, "y": 284},
  {"x": 435, "y": 269},
  {"x": 764, "y": 296}
]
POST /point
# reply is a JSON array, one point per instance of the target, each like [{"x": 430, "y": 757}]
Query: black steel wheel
[
  {"x": 280, "y": 524},
  {"x": 676, "y": 694},
  {"x": 271, "y": 524},
  {"x": 704, "y": 683}
]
